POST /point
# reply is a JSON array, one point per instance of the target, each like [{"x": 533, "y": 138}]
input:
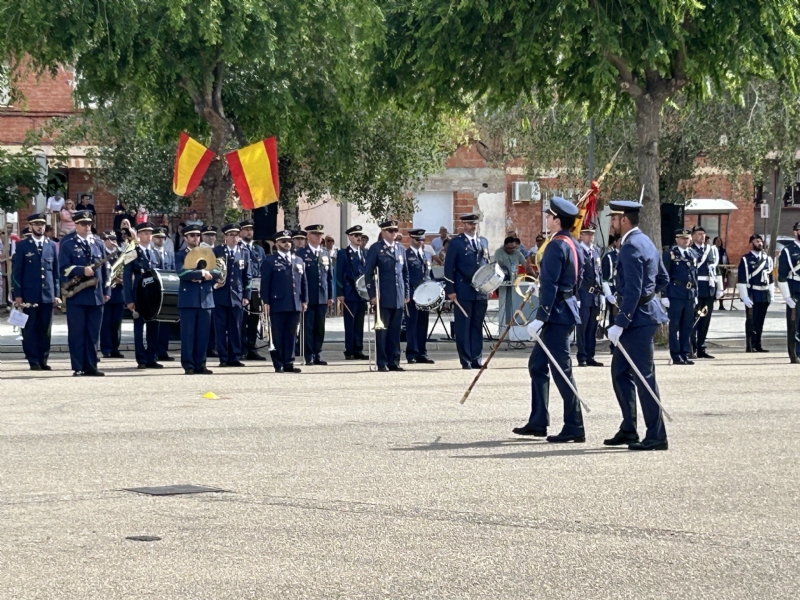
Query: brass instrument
[
  {"x": 119, "y": 265},
  {"x": 378, "y": 323},
  {"x": 81, "y": 282}
]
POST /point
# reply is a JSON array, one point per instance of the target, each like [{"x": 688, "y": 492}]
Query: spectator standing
[
  {"x": 67, "y": 224},
  {"x": 85, "y": 203},
  {"x": 120, "y": 213},
  {"x": 55, "y": 203},
  {"x": 194, "y": 219},
  {"x": 438, "y": 242}
]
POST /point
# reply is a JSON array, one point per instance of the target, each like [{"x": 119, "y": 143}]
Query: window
[
  {"x": 434, "y": 209},
  {"x": 711, "y": 224}
]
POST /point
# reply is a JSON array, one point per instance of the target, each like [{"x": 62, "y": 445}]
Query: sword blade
[
  {"x": 561, "y": 372},
  {"x": 643, "y": 380}
]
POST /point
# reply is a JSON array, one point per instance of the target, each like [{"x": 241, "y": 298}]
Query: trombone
[
  {"x": 379, "y": 326},
  {"x": 265, "y": 316}
]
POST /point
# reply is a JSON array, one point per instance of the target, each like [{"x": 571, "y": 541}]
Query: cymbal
[{"x": 197, "y": 255}]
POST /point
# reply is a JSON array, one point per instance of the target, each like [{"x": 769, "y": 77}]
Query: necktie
[{"x": 147, "y": 254}]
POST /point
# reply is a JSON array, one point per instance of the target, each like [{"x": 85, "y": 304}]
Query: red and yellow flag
[
  {"x": 255, "y": 173},
  {"x": 191, "y": 164}
]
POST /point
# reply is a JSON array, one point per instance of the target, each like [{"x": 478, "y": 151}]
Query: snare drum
[
  {"x": 361, "y": 287},
  {"x": 429, "y": 295},
  {"x": 488, "y": 278},
  {"x": 255, "y": 295}
]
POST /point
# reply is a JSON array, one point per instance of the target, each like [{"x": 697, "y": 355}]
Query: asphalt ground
[{"x": 341, "y": 483}]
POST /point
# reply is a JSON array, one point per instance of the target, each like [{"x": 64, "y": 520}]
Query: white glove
[
  {"x": 696, "y": 301},
  {"x": 579, "y": 304},
  {"x": 720, "y": 293},
  {"x": 606, "y": 289},
  {"x": 613, "y": 334},
  {"x": 745, "y": 297},
  {"x": 534, "y": 327},
  {"x": 772, "y": 293},
  {"x": 611, "y": 299},
  {"x": 787, "y": 295},
  {"x": 665, "y": 302},
  {"x": 602, "y": 304}
]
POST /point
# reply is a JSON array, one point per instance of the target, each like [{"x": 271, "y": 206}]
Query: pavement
[{"x": 342, "y": 483}]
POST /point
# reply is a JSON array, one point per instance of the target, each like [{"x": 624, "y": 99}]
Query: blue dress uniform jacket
[
  {"x": 789, "y": 273},
  {"x": 755, "y": 271},
  {"x": 162, "y": 259},
  {"x": 285, "y": 290},
  {"x": 561, "y": 270},
  {"x": 609, "y": 269},
  {"x": 113, "y": 311},
  {"x": 640, "y": 276},
  {"x": 681, "y": 291},
  {"x": 707, "y": 260},
  {"x": 390, "y": 263},
  {"x": 195, "y": 301},
  {"x": 350, "y": 265},
  {"x": 84, "y": 309},
  {"x": 419, "y": 271},
  {"x": 145, "y": 335},
  {"x": 319, "y": 275},
  {"x": 34, "y": 278},
  {"x": 589, "y": 294},
  {"x": 228, "y": 306}
]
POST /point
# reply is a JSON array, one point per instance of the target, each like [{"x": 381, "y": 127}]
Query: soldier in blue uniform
[
  {"x": 609, "y": 272},
  {"x": 34, "y": 281},
  {"x": 419, "y": 271},
  {"x": 558, "y": 314},
  {"x": 789, "y": 283},
  {"x": 111, "y": 329},
  {"x": 640, "y": 277},
  {"x": 251, "y": 314},
  {"x": 465, "y": 255},
  {"x": 680, "y": 296},
  {"x": 164, "y": 260},
  {"x": 231, "y": 297},
  {"x": 195, "y": 303},
  {"x": 350, "y": 264},
  {"x": 136, "y": 265},
  {"x": 319, "y": 276},
  {"x": 77, "y": 254},
  {"x": 209, "y": 240},
  {"x": 709, "y": 288},
  {"x": 755, "y": 290},
  {"x": 591, "y": 300},
  {"x": 299, "y": 239},
  {"x": 386, "y": 271},
  {"x": 285, "y": 292}
]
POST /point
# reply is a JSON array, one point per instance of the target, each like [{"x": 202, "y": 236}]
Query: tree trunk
[
  {"x": 648, "y": 124},
  {"x": 775, "y": 216},
  {"x": 217, "y": 181}
]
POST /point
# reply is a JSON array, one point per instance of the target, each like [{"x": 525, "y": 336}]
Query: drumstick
[
  {"x": 461, "y": 307},
  {"x": 348, "y": 310}
]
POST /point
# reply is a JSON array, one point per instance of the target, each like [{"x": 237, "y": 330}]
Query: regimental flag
[
  {"x": 191, "y": 163},
  {"x": 255, "y": 173}
]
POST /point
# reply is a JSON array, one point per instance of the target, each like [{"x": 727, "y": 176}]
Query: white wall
[
  {"x": 434, "y": 210},
  {"x": 493, "y": 224}
]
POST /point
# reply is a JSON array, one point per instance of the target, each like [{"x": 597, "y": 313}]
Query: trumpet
[{"x": 378, "y": 323}]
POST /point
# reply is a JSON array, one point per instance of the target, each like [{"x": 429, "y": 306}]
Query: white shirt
[
  {"x": 55, "y": 204},
  {"x": 314, "y": 249},
  {"x": 285, "y": 256}
]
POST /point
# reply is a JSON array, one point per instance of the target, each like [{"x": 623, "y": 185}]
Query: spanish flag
[
  {"x": 191, "y": 164},
  {"x": 255, "y": 173}
]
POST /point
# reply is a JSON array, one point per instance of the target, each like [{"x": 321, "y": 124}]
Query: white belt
[
  {"x": 705, "y": 278},
  {"x": 760, "y": 288},
  {"x": 794, "y": 276}
]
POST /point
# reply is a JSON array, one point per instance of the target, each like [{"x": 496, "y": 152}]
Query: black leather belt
[
  {"x": 687, "y": 284},
  {"x": 591, "y": 289},
  {"x": 566, "y": 295},
  {"x": 645, "y": 299}
]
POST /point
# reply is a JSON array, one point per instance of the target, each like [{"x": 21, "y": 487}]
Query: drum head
[
  {"x": 361, "y": 287},
  {"x": 428, "y": 293},
  {"x": 149, "y": 295}
]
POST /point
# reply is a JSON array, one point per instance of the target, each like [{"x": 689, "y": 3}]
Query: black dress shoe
[
  {"x": 686, "y": 361},
  {"x": 203, "y": 371},
  {"x": 106, "y": 355},
  {"x": 36, "y": 367},
  {"x": 693, "y": 355},
  {"x": 154, "y": 365},
  {"x": 466, "y": 367},
  {"x": 704, "y": 354},
  {"x": 383, "y": 369},
  {"x": 117, "y": 354},
  {"x": 361, "y": 356},
  {"x": 188, "y": 371},
  {"x": 165, "y": 358},
  {"x": 425, "y": 360},
  {"x": 94, "y": 373},
  {"x": 530, "y": 430},
  {"x": 320, "y": 363},
  {"x": 349, "y": 357},
  {"x": 46, "y": 367},
  {"x": 236, "y": 363},
  {"x": 581, "y": 364},
  {"x": 141, "y": 366},
  {"x": 255, "y": 356},
  {"x": 649, "y": 445},
  {"x": 759, "y": 349},
  {"x": 396, "y": 368},
  {"x": 291, "y": 369},
  {"x": 212, "y": 354},
  {"x": 279, "y": 369},
  {"x": 412, "y": 361},
  {"x": 593, "y": 363},
  {"x": 621, "y": 438},
  {"x": 77, "y": 373},
  {"x": 564, "y": 438},
  {"x": 476, "y": 365}
]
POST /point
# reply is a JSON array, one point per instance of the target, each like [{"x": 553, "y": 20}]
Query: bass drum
[
  {"x": 361, "y": 287},
  {"x": 429, "y": 295},
  {"x": 157, "y": 296}
]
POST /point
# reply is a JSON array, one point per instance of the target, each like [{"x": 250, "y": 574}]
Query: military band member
[
  {"x": 195, "y": 303},
  {"x": 789, "y": 283},
  {"x": 609, "y": 272},
  {"x": 284, "y": 292},
  {"x": 299, "y": 239},
  {"x": 350, "y": 266},
  {"x": 558, "y": 313},
  {"x": 114, "y": 309},
  {"x": 34, "y": 281},
  {"x": 386, "y": 273},
  {"x": 755, "y": 290},
  {"x": 640, "y": 277},
  {"x": 250, "y": 319},
  {"x": 419, "y": 271},
  {"x": 709, "y": 288},
  {"x": 591, "y": 300},
  {"x": 136, "y": 266},
  {"x": 209, "y": 240},
  {"x": 209, "y": 236},
  {"x": 465, "y": 255},
  {"x": 77, "y": 254},
  {"x": 319, "y": 276},
  {"x": 680, "y": 296},
  {"x": 231, "y": 297},
  {"x": 164, "y": 260}
]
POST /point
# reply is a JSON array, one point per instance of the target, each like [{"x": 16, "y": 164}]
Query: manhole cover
[
  {"x": 173, "y": 490},
  {"x": 143, "y": 538}
]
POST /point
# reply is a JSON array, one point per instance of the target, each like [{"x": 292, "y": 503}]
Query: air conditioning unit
[{"x": 526, "y": 191}]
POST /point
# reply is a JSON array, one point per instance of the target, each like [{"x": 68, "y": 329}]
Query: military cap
[
  {"x": 587, "y": 229},
  {"x": 470, "y": 218},
  {"x": 560, "y": 207},
  {"x": 283, "y": 234},
  {"x": 228, "y": 227},
  {"x": 756, "y": 236},
  {"x": 683, "y": 233},
  {"x": 246, "y": 223},
  {"x": 390, "y": 224},
  {"x": 109, "y": 234},
  {"x": 82, "y": 216},
  {"x": 299, "y": 234},
  {"x": 622, "y": 207},
  {"x": 146, "y": 226},
  {"x": 697, "y": 228},
  {"x": 160, "y": 232},
  {"x": 796, "y": 226},
  {"x": 36, "y": 218},
  {"x": 315, "y": 228},
  {"x": 417, "y": 233},
  {"x": 354, "y": 230},
  {"x": 208, "y": 229},
  {"x": 194, "y": 228},
  {"x": 26, "y": 231}
]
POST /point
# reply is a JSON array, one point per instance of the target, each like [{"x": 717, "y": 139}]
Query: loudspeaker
[
  {"x": 265, "y": 222},
  {"x": 671, "y": 219}
]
